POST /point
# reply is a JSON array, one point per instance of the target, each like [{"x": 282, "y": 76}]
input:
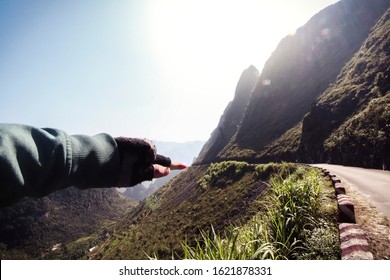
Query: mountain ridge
[
  {"x": 332, "y": 130},
  {"x": 232, "y": 191},
  {"x": 231, "y": 117},
  {"x": 293, "y": 78}
]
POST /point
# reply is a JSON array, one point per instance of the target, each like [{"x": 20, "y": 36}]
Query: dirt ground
[{"x": 375, "y": 224}]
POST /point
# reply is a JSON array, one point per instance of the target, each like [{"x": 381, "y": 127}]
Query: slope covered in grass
[
  {"x": 299, "y": 223},
  {"x": 30, "y": 228},
  {"x": 221, "y": 197}
]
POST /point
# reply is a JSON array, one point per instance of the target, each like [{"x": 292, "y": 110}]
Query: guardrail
[{"x": 353, "y": 240}]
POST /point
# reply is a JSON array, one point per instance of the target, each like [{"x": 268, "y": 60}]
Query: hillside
[
  {"x": 323, "y": 95},
  {"x": 32, "y": 227},
  {"x": 143, "y": 190},
  {"x": 324, "y": 88},
  {"x": 225, "y": 196},
  {"x": 300, "y": 69},
  {"x": 350, "y": 123}
]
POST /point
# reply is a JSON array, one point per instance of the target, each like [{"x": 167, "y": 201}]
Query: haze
[{"x": 163, "y": 70}]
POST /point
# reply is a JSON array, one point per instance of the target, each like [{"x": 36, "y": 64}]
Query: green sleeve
[{"x": 35, "y": 162}]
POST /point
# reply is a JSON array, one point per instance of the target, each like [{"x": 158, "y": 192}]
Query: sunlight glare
[
  {"x": 193, "y": 41},
  {"x": 200, "y": 48}
]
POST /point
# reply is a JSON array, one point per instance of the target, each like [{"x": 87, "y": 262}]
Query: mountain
[
  {"x": 31, "y": 227},
  {"x": 300, "y": 69},
  {"x": 230, "y": 121},
  {"x": 324, "y": 87},
  {"x": 350, "y": 122},
  {"x": 322, "y": 95}
]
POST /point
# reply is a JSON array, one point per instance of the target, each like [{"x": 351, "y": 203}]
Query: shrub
[
  {"x": 265, "y": 171},
  {"x": 226, "y": 169}
]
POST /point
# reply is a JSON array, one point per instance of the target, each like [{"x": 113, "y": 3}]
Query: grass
[
  {"x": 265, "y": 171},
  {"x": 231, "y": 210},
  {"x": 297, "y": 225},
  {"x": 238, "y": 245},
  {"x": 231, "y": 169}
]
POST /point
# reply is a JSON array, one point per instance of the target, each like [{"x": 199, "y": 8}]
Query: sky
[{"x": 158, "y": 69}]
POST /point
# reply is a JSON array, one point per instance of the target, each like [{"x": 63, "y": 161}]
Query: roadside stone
[
  {"x": 346, "y": 209},
  {"x": 354, "y": 245}
]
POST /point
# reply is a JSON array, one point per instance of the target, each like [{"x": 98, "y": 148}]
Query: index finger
[{"x": 177, "y": 165}]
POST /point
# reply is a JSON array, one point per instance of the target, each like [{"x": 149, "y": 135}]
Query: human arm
[{"x": 35, "y": 162}]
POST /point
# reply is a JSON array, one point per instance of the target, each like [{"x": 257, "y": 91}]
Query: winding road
[{"x": 373, "y": 184}]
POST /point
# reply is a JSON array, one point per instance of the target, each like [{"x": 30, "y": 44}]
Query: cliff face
[
  {"x": 231, "y": 119},
  {"x": 350, "y": 123},
  {"x": 297, "y": 73}
]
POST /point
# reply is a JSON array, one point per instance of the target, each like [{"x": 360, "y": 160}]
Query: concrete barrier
[
  {"x": 339, "y": 188},
  {"x": 354, "y": 245},
  {"x": 346, "y": 209},
  {"x": 353, "y": 241},
  {"x": 335, "y": 181}
]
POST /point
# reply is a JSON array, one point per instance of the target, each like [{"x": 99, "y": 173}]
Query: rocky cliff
[
  {"x": 230, "y": 121},
  {"x": 350, "y": 123},
  {"x": 300, "y": 69}
]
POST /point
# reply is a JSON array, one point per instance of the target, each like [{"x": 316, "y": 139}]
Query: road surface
[{"x": 373, "y": 184}]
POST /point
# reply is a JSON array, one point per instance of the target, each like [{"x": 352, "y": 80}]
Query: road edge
[{"x": 353, "y": 239}]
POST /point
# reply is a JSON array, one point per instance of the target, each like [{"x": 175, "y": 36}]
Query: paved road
[{"x": 371, "y": 183}]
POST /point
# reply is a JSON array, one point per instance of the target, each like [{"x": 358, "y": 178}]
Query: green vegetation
[
  {"x": 350, "y": 122},
  {"x": 221, "y": 195},
  {"x": 80, "y": 248},
  {"x": 30, "y": 228},
  {"x": 228, "y": 169},
  {"x": 299, "y": 75},
  {"x": 152, "y": 202},
  {"x": 299, "y": 224},
  {"x": 227, "y": 210},
  {"x": 265, "y": 171},
  {"x": 240, "y": 210},
  {"x": 285, "y": 147},
  {"x": 366, "y": 133}
]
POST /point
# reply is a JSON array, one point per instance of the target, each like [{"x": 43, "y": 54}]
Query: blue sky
[{"x": 161, "y": 69}]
